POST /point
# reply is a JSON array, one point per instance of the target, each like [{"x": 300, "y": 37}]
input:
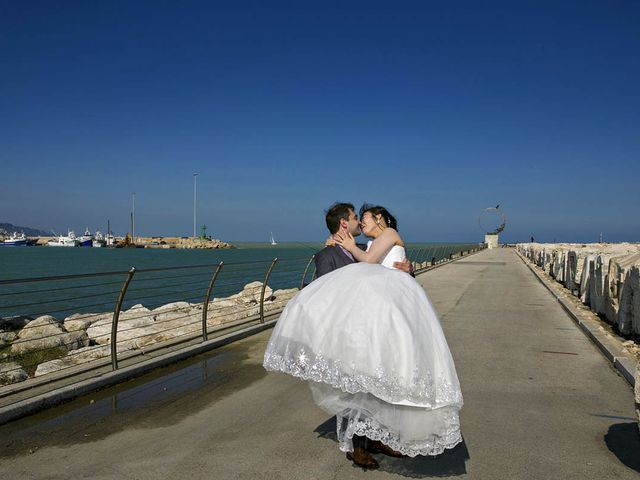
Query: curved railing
[{"x": 62, "y": 326}]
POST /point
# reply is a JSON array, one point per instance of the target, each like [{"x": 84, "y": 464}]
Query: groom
[{"x": 342, "y": 217}]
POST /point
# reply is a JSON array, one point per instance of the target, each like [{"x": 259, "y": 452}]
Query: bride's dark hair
[{"x": 389, "y": 219}]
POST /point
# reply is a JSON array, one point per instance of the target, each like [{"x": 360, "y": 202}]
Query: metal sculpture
[{"x": 484, "y": 215}]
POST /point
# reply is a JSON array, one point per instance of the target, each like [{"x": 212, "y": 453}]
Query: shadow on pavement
[
  {"x": 450, "y": 463},
  {"x": 623, "y": 440}
]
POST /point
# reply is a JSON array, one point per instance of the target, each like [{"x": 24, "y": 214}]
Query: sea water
[{"x": 159, "y": 278}]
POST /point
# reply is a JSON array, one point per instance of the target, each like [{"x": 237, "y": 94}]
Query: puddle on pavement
[{"x": 159, "y": 398}]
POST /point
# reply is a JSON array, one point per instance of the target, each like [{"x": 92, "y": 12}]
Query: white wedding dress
[{"x": 368, "y": 339}]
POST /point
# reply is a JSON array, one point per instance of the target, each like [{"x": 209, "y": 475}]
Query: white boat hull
[{"x": 54, "y": 243}]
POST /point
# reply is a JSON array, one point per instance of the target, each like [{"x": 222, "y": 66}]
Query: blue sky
[{"x": 433, "y": 109}]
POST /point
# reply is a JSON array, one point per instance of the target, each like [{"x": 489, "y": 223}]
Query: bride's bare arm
[{"x": 379, "y": 248}]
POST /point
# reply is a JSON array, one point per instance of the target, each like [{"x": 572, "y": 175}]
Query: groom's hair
[{"x": 336, "y": 212}]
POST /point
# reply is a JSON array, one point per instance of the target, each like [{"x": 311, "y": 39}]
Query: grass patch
[{"x": 29, "y": 361}]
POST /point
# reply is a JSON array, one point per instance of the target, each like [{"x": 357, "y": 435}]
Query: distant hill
[{"x": 8, "y": 229}]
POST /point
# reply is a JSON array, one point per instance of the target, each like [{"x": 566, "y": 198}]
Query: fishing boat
[
  {"x": 110, "y": 240},
  {"x": 69, "y": 240},
  {"x": 15, "y": 240},
  {"x": 86, "y": 240},
  {"x": 98, "y": 240},
  {"x": 273, "y": 240}
]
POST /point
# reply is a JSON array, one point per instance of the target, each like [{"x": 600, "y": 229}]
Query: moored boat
[
  {"x": 69, "y": 240},
  {"x": 98, "y": 240},
  {"x": 15, "y": 240},
  {"x": 86, "y": 240}
]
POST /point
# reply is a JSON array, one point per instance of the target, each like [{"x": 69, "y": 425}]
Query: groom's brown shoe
[
  {"x": 375, "y": 446},
  {"x": 362, "y": 458}
]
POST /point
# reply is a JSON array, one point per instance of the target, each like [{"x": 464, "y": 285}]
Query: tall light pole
[
  {"x": 195, "y": 192},
  {"x": 133, "y": 217}
]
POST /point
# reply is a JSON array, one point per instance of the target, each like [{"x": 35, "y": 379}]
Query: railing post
[
  {"x": 116, "y": 316},
  {"x": 205, "y": 305},
  {"x": 416, "y": 259},
  {"x": 306, "y": 270},
  {"x": 435, "y": 254},
  {"x": 264, "y": 288}
]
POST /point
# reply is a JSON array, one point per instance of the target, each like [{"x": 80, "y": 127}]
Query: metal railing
[{"x": 55, "y": 327}]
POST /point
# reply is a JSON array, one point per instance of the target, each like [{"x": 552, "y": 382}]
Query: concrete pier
[{"x": 541, "y": 402}]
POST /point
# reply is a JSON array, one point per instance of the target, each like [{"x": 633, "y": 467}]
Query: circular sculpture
[{"x": 492, "y": 220}]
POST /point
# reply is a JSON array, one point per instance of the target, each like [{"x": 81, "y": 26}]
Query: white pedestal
[{"x": 491, "y": 240}]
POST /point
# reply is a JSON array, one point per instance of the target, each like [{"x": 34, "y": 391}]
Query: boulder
[
  {"x": 176, "y": 311},
  {"x": 183, "y": 320},
  {"x": 172, "y": 306},
  {"x": 82, "y": 321},
  {"x": 251, "y": 293},
  {"x": 40, "y": 334},
  {"x": 618, "y": 268},
  {"x": 130, "y": 323},
  {"x": 231, "y": 309},
  {"x": 76, "y": 357},
  {"x": 7, "y": 337},
  {"x": 597, "y": 285},
  {"x": 629, "y": 305},
  {"x": 585, "y": 278},
  {"x": 41, "y": 327},
  {"x": 139, "y": 327},
  {"x": 11, "y": 372},
  {"x": 65, "y": 341}
]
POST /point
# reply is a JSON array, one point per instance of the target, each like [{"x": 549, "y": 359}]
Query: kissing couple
[{"x": 366, "y": 337}]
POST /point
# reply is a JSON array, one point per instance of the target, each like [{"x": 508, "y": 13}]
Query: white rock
[
  {"x": 76, "y": 357},
  {"x": 618, "y": 268},
  {"x": 251, "y": 293},
  {"x": 172, "y": 306},
  {"x": 43, "y": 333},
  {"x": 82, "y": 321},
  {"x": 64, "y": 341},
  {"x": 176, "y": 311},
  {"x": 41, "y": 327},
  {"x": 629, "y": 311}
]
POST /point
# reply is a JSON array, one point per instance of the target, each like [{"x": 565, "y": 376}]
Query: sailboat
[{"x": 273, "y": 240}]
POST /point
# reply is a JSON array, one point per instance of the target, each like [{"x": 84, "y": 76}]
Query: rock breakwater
[
  {"x": 606, "y": 277},
  {"x": 32, "y": 347}
]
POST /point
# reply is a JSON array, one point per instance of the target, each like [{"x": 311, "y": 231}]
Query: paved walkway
[{"x": 540, "y": 403}]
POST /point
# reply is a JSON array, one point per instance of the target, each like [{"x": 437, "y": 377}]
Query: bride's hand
[
  {"x": 346, "y": 240},
  {"x": 330, "y": 242}
]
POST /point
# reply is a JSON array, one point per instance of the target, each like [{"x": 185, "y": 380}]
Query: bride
[{"x": 369, "y": 341}]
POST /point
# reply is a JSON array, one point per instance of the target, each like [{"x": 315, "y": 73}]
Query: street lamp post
[
  {"x": 195, "y": 191},
  {"x": 133, "y": 217}
]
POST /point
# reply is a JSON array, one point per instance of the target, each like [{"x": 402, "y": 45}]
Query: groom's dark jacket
[{"x": 331, "y": 258}]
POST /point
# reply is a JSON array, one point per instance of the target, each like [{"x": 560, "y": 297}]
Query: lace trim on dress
[
  {"x": 422, "y": 390},
  {"x": 373, "y": 430}
]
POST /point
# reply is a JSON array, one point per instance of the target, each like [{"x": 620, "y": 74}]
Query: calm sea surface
[{"x": 167, "y": 283}]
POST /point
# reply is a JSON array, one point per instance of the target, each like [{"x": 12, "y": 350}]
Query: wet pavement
[{"x": 540, "y": 402}]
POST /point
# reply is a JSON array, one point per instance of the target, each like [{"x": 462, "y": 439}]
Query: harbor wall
[{"x": 605, "y": 277}]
